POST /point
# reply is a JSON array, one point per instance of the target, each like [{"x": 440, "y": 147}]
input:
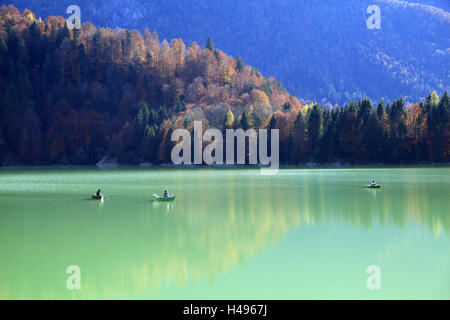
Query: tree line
[{"x": 362, "y": 133}]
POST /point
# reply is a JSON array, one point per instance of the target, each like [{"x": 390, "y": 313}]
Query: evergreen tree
[
  {"x": 239, "y": 64},
  {"x": 246, "y": 122},
  {"x": 3, "y": 151},
  {"x": 433, "y": 99},
  {"x": 210, "y": 45},
  {"x": 162, "y": 114},
  {"x": 272, "y": 122},
  {"x": 180, "y": 104},
  {"x": 380, "y": 109},
  {"x": 286, "y": 107},
  {"x": 273, "y": 125},
  {"x": 148, "y": 146},
  {"x": 143, "y": 116},
  {"x": 169, "y": 144},
  {"x": 299, "y": 138},
  {"x": 153, "y": 118},
  {"x": 314, "y": 129},
  {"x": 63, "y": 33}
]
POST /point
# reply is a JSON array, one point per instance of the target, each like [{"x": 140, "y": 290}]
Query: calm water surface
[{"x": 300, "y": 234}]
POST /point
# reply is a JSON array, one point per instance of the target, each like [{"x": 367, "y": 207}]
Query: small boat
[
  {"x": 372, "y": 186},
  {"x": 96, "y": 197},
  {"x": 162, "y": 198}
]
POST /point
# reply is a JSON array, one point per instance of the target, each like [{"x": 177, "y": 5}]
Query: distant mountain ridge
[{"x": 318, "y": 49}]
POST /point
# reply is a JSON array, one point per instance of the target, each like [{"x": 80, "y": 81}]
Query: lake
[{"x": 230, "y": 234}]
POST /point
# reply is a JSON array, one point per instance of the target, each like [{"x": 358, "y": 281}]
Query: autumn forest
[{"x": 79, "y": 96}]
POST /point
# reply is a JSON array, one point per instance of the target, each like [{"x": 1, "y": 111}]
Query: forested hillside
[
  {"x": 317, "y": 48},
  {"x": 73, "y": 97}
]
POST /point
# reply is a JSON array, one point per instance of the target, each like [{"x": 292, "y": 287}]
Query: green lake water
[{"x": 230, "y": 234}]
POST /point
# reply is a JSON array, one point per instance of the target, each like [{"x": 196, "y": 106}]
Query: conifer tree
[{"x": 210, "y": 44}]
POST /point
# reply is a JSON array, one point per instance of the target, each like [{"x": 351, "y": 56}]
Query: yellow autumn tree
[
  {"x": 228, "y": 73},
  {"x": 229, "y": 120},
  {"x": 29, "y": 15},
  {"x": 178, "y": 51}
]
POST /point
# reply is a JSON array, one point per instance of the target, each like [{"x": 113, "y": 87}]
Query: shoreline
[{"x": 230, "y": 166}]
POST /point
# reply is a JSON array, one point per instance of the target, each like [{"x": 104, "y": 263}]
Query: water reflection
[
  {"x": 163, "y": 206},
  {"x": 130, "y": 250}
]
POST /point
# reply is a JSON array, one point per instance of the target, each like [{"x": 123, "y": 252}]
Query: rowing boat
[
  {"x": 370, "y": 186},
  {"x": 162, "y": 198}
]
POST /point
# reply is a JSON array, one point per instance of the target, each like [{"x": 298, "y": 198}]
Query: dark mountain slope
[{"x": 316, "y": 48}]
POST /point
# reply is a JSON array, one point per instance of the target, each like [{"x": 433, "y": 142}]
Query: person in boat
[
  {"x": 99, "y": 193},
  {"x": 373, "y": 183},
  {"x": 166, "y": 194}
]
